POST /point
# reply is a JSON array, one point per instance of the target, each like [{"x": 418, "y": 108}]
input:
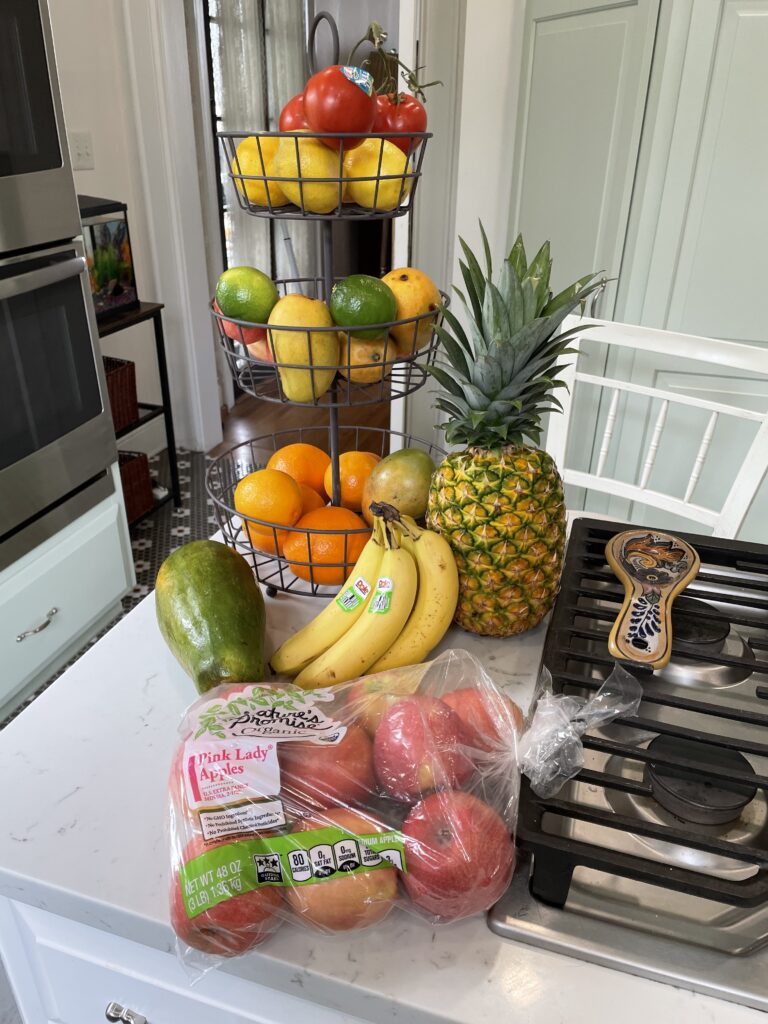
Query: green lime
[
  {"x": 359, "y": 300},
  {"x": 246, "y": 294}
]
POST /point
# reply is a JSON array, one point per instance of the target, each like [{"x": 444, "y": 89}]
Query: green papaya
[{"x": 211, "y": 614}]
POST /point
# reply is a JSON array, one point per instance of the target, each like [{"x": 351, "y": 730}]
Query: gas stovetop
[{"x": 654, "y": 859}]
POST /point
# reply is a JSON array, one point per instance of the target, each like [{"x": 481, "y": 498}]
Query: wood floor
[{"x": 250, "y": 418}]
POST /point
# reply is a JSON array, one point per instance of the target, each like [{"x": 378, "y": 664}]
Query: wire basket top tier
[{"x": 376, "y": 190}]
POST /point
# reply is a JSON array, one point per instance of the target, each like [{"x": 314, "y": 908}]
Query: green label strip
[{"x": 301, "y": 858}]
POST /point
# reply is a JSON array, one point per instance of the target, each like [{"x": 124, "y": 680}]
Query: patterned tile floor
[{"x": 153, "y": 538}]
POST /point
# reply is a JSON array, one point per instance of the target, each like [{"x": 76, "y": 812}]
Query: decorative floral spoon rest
[{"x": 654, "y": 567}]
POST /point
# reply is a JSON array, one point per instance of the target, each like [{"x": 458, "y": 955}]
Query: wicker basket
[
  {"x": 121, "y": 387},
  {"x": 137, "y": 484}
]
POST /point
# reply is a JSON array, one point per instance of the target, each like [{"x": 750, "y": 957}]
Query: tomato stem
[{"x": 376, "y": 36}]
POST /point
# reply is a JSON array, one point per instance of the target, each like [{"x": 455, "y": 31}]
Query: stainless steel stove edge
[{"x": 736, "y": 979}]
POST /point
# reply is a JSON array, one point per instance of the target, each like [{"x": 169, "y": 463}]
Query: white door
[
  {"x": 585, "y": 76},
  {"x": 705, "y": 205}
]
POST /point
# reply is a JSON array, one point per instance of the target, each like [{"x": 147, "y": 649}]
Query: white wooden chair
[{"x": 724, "y": 521}]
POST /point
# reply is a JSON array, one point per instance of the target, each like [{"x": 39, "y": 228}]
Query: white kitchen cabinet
[
  {"x": 63, "y": 972},
  {"x": 60, "y": 593}
]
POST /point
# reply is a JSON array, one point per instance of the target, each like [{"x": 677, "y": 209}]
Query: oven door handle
[{"x": 35, "y": 279}]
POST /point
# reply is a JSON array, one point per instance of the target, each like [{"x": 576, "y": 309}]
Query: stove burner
[
  {"x": 691, "y": 626},
  {"x": 689, "y": 795}
]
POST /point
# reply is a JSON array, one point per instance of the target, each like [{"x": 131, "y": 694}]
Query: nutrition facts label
[
  {"x": 324, "y": 860},
  {"x": 299, "y": 858}
]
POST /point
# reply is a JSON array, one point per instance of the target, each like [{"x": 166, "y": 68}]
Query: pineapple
[{"x": 499, "y": 502}]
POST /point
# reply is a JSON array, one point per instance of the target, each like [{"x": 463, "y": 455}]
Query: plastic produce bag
[
  {"x": 328, "y": 808},
  {"x": 551, "y": 751}
]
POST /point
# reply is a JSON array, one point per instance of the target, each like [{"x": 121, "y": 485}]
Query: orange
[
  {"x": 310, "y": 499},
  {"x": 273, "y": 497},
  {"x": 304, "y": 462},
  {"x": 330, "y": 562},
  {"x": 354, "y": 468}
]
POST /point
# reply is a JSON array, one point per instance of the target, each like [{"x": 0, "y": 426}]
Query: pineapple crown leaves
[{"x": 500, "y": 372}]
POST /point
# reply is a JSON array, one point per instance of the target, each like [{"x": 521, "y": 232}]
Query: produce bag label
[
  {"x": 232, "y": 753},
  {"x": 244, "y": 819},
  {"x": 224, "y": 771},
  {"x": 361, "y": 78},
  {"x": 381, "y": 601},
  {"x": 353, "y": 595},
  {"x": 301, "y": 858}
]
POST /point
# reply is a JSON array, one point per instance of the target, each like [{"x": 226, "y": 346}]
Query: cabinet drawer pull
[
  {"x": 38, "y": 629},
  {"x": 121, "y": 1014}
]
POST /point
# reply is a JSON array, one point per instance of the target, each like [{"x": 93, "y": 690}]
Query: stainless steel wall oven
[
  {"x": 56, "y": 437},
  {"x": 38, "y": 204},
  {"x": 55, "y": 427}
]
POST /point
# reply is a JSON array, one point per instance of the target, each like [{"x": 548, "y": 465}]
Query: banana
[
  {"x": 373, "y": 633},
  {"x": 436, "y": 601},
  {"x": 338, "y": 616}
]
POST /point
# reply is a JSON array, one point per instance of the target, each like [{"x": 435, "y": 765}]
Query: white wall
[
  {"x": 94, "y": 91},
  {"x": 493, "y": 45},
  {"x": 99, "y": 96},
  {"x": 480, "y": 62}
]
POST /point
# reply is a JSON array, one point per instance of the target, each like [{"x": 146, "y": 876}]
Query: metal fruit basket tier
[
  {"x": 258, "y": 371},
  {"x": 387, "y": 189},
  {"x": 386, "y": 195},
  {"x": 272, "y": 568}
]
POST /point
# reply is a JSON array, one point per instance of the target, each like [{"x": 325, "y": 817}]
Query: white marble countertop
[{"x": 84, "y": 808}]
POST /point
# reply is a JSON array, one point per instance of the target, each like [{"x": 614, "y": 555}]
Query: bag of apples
[{"x": 329, "y": 807}]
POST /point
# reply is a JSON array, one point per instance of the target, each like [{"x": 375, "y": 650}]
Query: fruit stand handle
[
  {"x": 322, "y": 16},
  {"x": 326, "y": 233}
]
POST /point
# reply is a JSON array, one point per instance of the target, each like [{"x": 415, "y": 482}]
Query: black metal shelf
[
  {"x": 151, "y": 412},
  {"x": 144, "y": 312}
]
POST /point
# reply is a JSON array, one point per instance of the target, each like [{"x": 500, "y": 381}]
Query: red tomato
[
  {"x": 340, "y": 99},
  {"x": 405, "y": 115},
  {"x": 292, "y": 115}
]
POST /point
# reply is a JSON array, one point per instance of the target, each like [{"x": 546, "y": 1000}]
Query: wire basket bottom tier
[{"x": 274, "y": 570}]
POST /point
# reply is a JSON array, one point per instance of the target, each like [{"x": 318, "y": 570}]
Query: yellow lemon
[
  {"x": 305, "y": 160},
  {"x": 257, "y": 156},
  {"x": 415, "y": 294},
  {"x": 363, "y": 174}
]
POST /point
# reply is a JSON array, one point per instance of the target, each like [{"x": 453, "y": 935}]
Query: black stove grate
[{"x": 733, "y": 575}]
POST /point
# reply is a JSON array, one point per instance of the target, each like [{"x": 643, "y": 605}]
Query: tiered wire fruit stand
[{"x": 402, "y": 372}]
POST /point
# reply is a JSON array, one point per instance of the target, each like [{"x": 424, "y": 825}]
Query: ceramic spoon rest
[{"x": 654, "y": 567}]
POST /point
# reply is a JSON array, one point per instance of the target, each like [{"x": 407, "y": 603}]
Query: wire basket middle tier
[{"x": 365, "y": 372}]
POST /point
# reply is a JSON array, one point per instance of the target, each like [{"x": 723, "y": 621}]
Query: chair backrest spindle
[
  {"x": 605, "y": 444},
  {"x": 701, "y": 454},
  {"x": 653, "y": 447}
]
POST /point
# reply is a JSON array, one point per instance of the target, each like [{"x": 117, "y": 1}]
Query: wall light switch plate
[{"x": 81, "y": 151}]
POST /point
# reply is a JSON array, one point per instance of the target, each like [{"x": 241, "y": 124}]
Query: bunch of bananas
[{"x": 395, "y": 606}]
